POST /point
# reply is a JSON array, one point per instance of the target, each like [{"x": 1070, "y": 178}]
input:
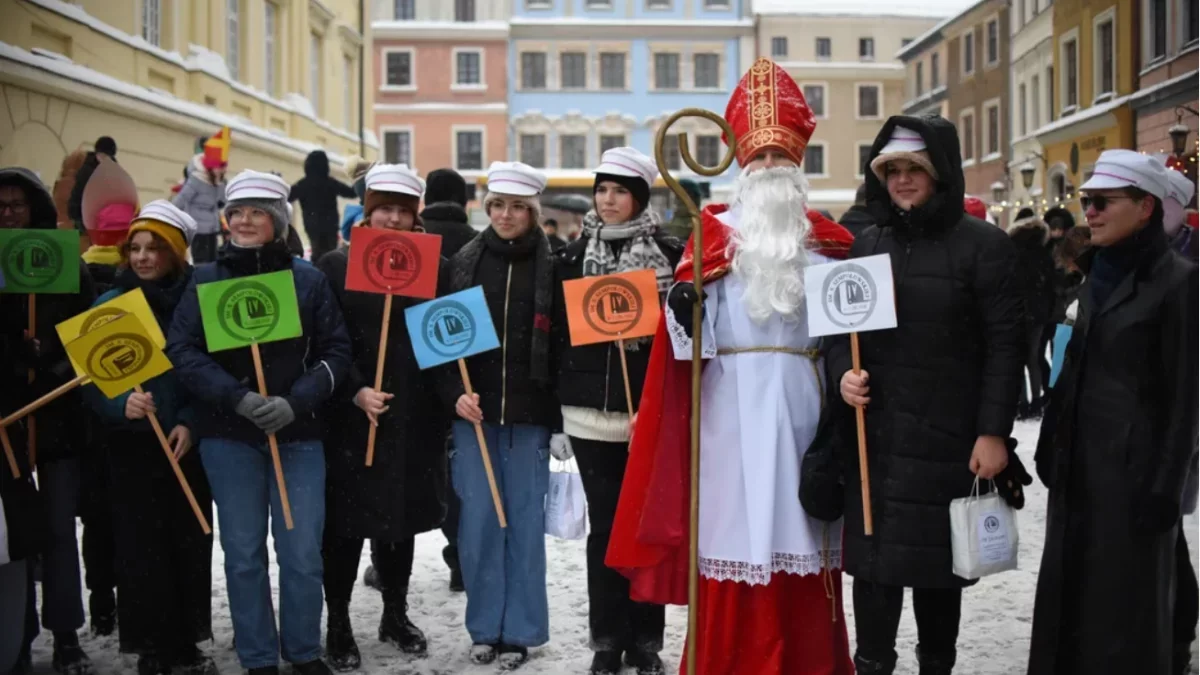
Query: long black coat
[
  {"x": 945, "y": 376},
  {"x": 403, "y": 493},
  {"x": 1120, "y": 433},
  {"x": 318, "y": 193}
]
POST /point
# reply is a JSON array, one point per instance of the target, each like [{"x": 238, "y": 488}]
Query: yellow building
[
  {"x": 1093, "y": 78},
  {"x": 157, "y": 74}
]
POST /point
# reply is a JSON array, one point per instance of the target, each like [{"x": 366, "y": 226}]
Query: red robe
[{"x": 649, "y": 542}]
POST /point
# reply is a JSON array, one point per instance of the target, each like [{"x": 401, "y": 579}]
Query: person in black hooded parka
[
  {"x": 1117, "y": 441},
  {"x": 318, "y": 194},
  {"x": 941, "y": 388}
]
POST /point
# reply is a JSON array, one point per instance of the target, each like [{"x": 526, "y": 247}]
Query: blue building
[{"x": 588, "y": 75}]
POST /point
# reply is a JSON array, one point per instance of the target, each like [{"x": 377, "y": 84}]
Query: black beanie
[
  {"x": 636, "y": 186},
  {"x": 106, "y": 145},
  {"x": 445, "y": 185}
]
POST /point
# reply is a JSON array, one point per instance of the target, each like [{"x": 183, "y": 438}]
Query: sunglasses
[{"x": 1100, "y": 202}]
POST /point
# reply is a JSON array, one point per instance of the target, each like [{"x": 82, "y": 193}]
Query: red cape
[{"x": 649, "y": 543}]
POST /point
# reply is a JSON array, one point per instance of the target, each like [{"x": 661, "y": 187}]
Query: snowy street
[{"x": 994, "y": 639}]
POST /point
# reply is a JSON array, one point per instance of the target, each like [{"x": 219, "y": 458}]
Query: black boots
[
  {"x": 189, "y": 660},
  {"x": 936, "y": 663},
  {"x": 606, "y": 663},
  {"x": 450, "y": 555},
  {"x": 102, "y": 606},
  {"x": 647, "y": 663},
  {"x": 315, "y": 667},
  {"x": 340, "y": 648},
  {"x": 396, "y": 630},
  {"x": 866, "y": 666},
  {"x": 69, "y": 658}
]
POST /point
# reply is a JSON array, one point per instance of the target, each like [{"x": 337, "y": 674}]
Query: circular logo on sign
[
  {"x": 393, "y": 263},
  {"x": 118, "y": 357},
  {"x": 448, "y": 329},
  {"x": 248, "y": 311},
  {"x": 612, "y": 306},
  {"x": 850, "y": 295},
  {"x": 991, "y": 523},
  {"x": 99, "y": 318},
  {"x": 32, "y": 260}
]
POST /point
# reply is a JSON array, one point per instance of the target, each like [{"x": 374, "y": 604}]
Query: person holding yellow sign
[{"x": 164, "y": 575}]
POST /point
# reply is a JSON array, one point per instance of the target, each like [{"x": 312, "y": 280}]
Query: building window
[
  {"x": 610, "y": 141},
  {"x": 666, "y": 71},
  {"x": 707, "y": 71},
  {"x": 716, "y": 4},
  {"x": 935, "y": 72},
  {"x": 920, "y": 77},
  {"x": 864, "y": 159},
  {"x": 1050, "y": 93},
  {"x": 464, "y": 10},
  {"x": 992, "y": 138},
  {"x": 612, "y": 71},
  {"x": 814, "y": 160},
  {"x": 866, "y": 49},
  {"x": 468, "y": 68},
  {"x": 1070, "y": 60},
  {"x": 1035, "y": 101},
  {"x": 404, "y": 10},
  {"x": 814, "y": 94},
  {"x": 868, "y": 101},
  {"x": 573, "y": 149},
  {"x": 1191, "y": 23},
  {"x": 708, "y": 150},
  {"x": 966, "y": 126},
  {"x": 574, "y": 70},
  {"x": 152, "y": 21},
  {"x": 533, "y": 150},
  {"x": 397, "y": 147},
  {"x": 233, "y": 37},
  {"x": 658, "y": 4},
  {"x": 348, "y": 79},
  {"x": 271, "y": 25},
  {"x": 1158, "y": 28},
  {"x": 779, "y": 47},
  {"x": 399, "y": 68},
  {"x": 468, "y": 150},
  {"x": 533, "y": 70},
  {"x": 1103, "y": 58},
  {"x": 671, "y": 152},
  {"x": 314, "y": 71},
  {"x": 599, "y": 4},
  {"x": 1023, "y": 114},
  {"x": 993, "y": 42},
  {"x": 968, "y": 53},
  {"x": 824, "y": 48}
]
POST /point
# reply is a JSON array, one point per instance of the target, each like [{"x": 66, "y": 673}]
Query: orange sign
[
  {"x": 613, "y": 307},
  {"x": 390, "y": 261}
]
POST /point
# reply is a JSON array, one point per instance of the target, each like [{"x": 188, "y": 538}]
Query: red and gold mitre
[{"x": 768, "y": 111}]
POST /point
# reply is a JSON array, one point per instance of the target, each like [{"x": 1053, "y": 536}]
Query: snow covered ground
[{"x": 994, "y": 639}]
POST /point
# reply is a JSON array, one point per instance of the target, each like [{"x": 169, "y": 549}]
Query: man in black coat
[
  {"x": 318, "y": 193},
  {"x": 940, "y": 390},
  {"x": 445, "y": 210},
  {"x": 858, "y": 218},
  {"x": 1118, "y": 440},
  {"x": 1035, "y": 269}
]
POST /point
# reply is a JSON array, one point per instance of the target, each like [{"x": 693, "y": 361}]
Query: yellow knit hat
[{"x": 167, "y": 233}]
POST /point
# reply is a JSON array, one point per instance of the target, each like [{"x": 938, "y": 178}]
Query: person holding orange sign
[{"x": 620, "y": 234}]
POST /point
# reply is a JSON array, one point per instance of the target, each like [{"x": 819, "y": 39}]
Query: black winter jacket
[
  {"x": 945, "y": 376},
  {"x": 448, "y": 219},
  {"x": 318, "y": 194},
  {"x": 303, "y": 370},
  {"x": 1035, "y": 269},
  {"x": 857, "y": 219},
  {"x": 590, "y": 376}
]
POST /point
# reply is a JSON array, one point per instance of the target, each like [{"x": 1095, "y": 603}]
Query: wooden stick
[
  {"x": 8, "y": 452},
  {"x": 262, "y": 390},
  {"x": 383, "y": 336},
  {"x": 183, "y": 483},
  {"x": 625, "y": 373},
  {"x": 864, "y": 473},
  {"x": 483, "y": 450},
  {"x": 31, "y": 437},
  {"x": 43, "y": 400}
]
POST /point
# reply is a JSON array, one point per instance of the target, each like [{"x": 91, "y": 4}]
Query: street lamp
[
  {"x": 1179, "y": 131},
  {"x": 1027, "y": 172},
  {"x": 998, "y": 191}
]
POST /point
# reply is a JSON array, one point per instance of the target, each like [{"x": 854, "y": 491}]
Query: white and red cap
[
  {"x": 395, "y": 178},
  {"x": 630, "y": 162},
  {"x": 515, "y": 178},
  {"x": 165, "y": 212},
  {"x": 904, "y": 143},
  {"x": 1117, "y": 169},
  {"x": 251, "y": 184}
]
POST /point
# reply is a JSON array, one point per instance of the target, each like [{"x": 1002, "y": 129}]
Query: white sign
[{"x": 850, "y": 296}]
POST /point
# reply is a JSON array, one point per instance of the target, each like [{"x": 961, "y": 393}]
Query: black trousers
[
  {"x": 99, "y": 549},
  {"x": 1187, "y": 596},
  {"x": 322, "y": 243},
  {"x": 617, "y": 623},
  {"x": 1034, "y": 361},
  {"x": 393, "y": 561},
  {"x": 877, "y": 617},
  {"x": 450, "y": 524}
]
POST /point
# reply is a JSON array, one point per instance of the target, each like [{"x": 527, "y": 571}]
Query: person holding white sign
[{"x": 940, "y": 390}]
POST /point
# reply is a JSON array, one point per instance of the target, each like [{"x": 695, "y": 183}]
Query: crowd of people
[{"x": 781, "y": 510}]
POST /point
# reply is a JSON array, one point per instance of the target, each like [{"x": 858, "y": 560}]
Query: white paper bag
[
  {"x": 566, "y": 505},
  {"x": 983, "y": 534}
]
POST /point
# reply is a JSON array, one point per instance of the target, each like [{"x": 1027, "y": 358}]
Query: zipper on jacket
[{"x": 504, "y": 349}]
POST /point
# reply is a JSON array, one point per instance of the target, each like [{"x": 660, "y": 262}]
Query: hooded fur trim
[{"x": 1029, "y": 231}]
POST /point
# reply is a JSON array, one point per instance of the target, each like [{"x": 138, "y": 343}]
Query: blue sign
[
  {"x": 451, "y": 328},
  {"x": 1062, "y": 335}
]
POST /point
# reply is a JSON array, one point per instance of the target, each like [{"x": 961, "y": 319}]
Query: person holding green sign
[
  {"x": 233, "y": 422},
  {"x": 47, "y": 281}
]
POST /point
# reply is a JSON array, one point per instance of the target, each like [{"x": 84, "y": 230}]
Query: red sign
[{"x": 389, "y": 261}]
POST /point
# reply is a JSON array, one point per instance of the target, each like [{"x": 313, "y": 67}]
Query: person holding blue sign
[
  {"x": 504, "y": 569},
  {"x": 233, "y": 421}
]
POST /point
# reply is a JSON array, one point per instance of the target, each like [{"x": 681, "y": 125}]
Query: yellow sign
[
  {"x": 133, "y": 302},
  {"x": 119, "y": 355}
]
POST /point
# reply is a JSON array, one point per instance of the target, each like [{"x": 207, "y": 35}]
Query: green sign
[
  {"x": 240, "y": 312},
  {"x": 39, "y": 261}
]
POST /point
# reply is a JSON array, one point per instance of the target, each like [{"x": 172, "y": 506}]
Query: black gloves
[
  {"x": 682, "y": 301},
  {"x": 1010, "y": 481}
]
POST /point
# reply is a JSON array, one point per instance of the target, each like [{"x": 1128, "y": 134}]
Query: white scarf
[{"x": 638, "y": 250}]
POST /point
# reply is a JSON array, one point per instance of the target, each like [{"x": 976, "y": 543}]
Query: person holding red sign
[
  {"x": 402, "y": 493},
  {"x": 620, "y": 234}
]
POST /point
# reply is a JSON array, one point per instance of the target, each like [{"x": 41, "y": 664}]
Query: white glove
[
  {"x": 560, "y": 447},
  {"x": 1072, "y": 312}
]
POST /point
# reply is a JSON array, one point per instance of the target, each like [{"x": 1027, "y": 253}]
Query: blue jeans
[
  {"x": 244, "y": 489},
  {"x": 504, "y": 570}
]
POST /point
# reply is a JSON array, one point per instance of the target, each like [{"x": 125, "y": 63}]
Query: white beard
[{"x": 769, "y": 253}]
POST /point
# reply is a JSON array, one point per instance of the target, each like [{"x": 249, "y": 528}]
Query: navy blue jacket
[{"x": 303, "y": 370}]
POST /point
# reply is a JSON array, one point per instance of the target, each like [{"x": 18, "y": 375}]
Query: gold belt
[{"x": 811, "y": 354}]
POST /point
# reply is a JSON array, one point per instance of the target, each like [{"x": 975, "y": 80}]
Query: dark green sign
[{"x": 39, "y": 261}]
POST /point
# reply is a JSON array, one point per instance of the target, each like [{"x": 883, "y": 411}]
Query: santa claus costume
[{"x": 770, "y": 588}]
